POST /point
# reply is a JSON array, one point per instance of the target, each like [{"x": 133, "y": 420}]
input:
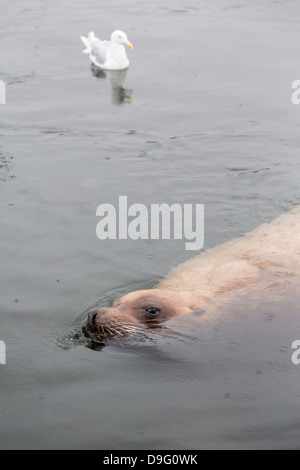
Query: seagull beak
[{"x": 129, "y": 45}]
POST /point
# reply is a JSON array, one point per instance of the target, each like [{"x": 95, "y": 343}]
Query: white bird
[{"x": 108, "y": 55}]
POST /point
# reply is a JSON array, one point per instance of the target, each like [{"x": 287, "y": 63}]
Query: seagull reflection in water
[{"x": 120, "y": 95}]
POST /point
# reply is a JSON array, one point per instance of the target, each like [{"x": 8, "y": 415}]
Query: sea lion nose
[{"x": 92, "y": 317}]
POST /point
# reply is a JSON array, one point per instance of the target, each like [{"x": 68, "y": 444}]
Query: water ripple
[{"x": 180, "y": 383}]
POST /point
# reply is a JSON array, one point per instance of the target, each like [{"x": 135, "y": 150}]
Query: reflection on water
[{"x": 120, "y": 95}]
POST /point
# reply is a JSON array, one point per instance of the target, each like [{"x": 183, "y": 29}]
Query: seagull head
[{"x": 119, "y": 37}]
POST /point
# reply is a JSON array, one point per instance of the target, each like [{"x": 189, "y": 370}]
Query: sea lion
[{"x": 268, "y": 256}]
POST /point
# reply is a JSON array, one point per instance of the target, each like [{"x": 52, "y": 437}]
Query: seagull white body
[{"x": 108, "y": 55}]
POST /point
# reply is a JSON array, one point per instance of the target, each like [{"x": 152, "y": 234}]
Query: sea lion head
[{"x": 137, "y": 311}]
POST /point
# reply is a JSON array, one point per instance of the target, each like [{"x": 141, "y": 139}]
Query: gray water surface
[{"x": 203, "y": 115}]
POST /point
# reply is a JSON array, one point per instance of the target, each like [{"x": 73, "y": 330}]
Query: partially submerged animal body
[{"x": 262, "y": 261}]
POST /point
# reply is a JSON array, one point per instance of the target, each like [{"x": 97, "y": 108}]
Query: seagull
[{"x": 108, "y": 55}]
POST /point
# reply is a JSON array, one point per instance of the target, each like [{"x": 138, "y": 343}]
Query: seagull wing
[{"x": 99, "y": 51}]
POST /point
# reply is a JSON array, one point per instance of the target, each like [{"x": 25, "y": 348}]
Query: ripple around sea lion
[{"x": 69, "y": 339}]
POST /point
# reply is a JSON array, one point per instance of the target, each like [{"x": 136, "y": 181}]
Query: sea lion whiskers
[{"x": 109, "y": 329}]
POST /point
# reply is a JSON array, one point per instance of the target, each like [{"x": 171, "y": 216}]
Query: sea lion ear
[{"x": 198, "y": 311}]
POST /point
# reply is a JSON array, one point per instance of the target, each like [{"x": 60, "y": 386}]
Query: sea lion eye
[{"x": 152, "y": 311}]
